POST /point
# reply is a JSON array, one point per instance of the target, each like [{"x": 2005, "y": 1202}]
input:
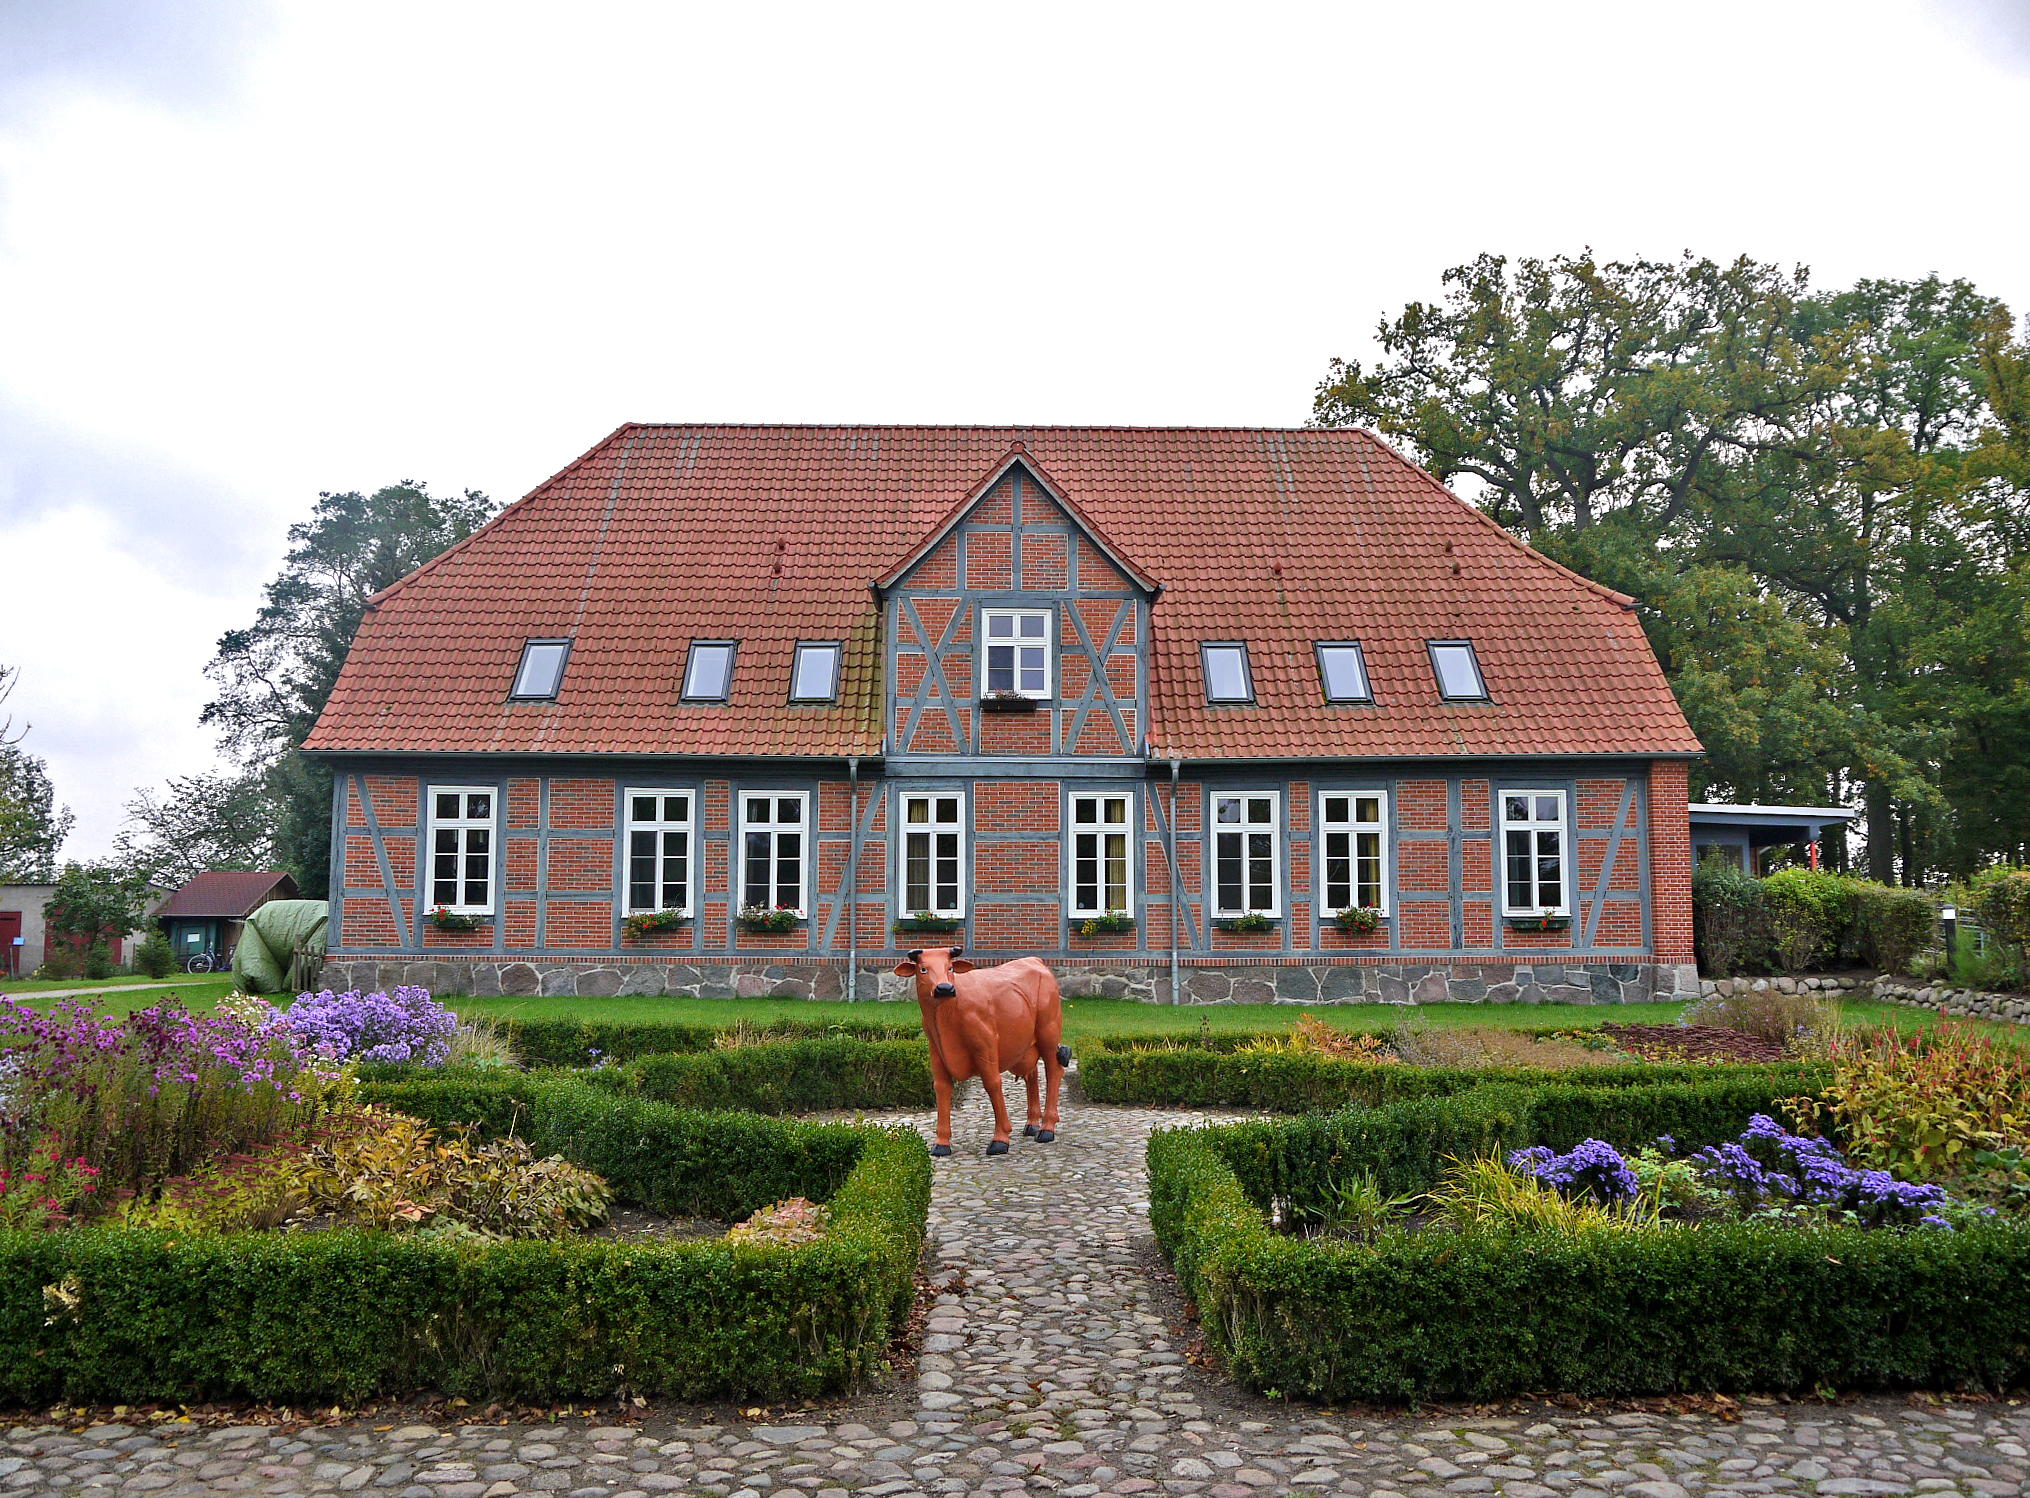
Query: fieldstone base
[{"x": 1536, "y": 982}]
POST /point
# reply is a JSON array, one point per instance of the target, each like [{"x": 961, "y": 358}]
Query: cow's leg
[
  {"x": 943, "y": 1084},
  {"x": 990, "y": 1078},
  {"x": 1049, "y": 1032},
  {"x": 1028, "y": 1065}
]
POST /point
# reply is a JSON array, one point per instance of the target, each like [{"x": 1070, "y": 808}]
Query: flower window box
[
  {"x": 1253, "y": 921},
  {"x": 649, "y": 922},
  {"x": 1358, "y": 920},
  {"x": 446, "y": 919},
  {"x": 1101, "y": 925},
  {"x": 923, "y": 923},
  {"x": 762, "y": 918},
  {"x": 1539, "y": 923},
  {"x": 1009, "y": 702}
]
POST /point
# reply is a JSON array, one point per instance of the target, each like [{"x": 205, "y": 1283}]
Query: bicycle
[{"x": 208, "y": 962}]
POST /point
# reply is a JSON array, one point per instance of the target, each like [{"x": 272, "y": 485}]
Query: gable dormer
[{"x": 1016, "y": 630}]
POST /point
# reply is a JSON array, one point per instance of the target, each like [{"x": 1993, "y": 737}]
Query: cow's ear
[
  {"x": 962, "y": 966},
  {"x": 905, "y": 969}
]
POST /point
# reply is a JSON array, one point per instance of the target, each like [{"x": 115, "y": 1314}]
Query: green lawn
[
  {"x": 1082, "y": 1017},
  {"x": 46, "y": 985}
]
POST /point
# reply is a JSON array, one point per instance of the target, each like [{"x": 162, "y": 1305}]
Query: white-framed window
[
  {"x": 1102, "y": 854},
  {"x": 1246, "y": 853},
  {"x": 814, "y": 676},
  {"x": 461, "y": 848},
  {"x": 1015, "y": 652},
  {"x": 775, "y": 849},
  {"x": 932, "y": 849},
  {"x": 659, "y": 852},
  {"x": 1353, "y": 835},
  {"x": 1533, "y": 842}
]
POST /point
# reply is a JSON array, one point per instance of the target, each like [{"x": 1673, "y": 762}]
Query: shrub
[
  {"x": 1895, "y": 924},
  {"x": 98, "y": 961},
  {"x": 570, "y": 1042},
  {"x": 44, "y": 1189},
  {"x": 1767, "y": 1014},
  {"x": 1481, "y": 1314},
  {"x": 1483, "y": 1047},
  {"x": 2002, "y": 905},
  {"x": 158, "y": 1094},
  {"x": 1809, "y": 913},
  {"x": 480, "y": 1042},
  {"x": 801, "y": 1076},
  {"x": 154, "y": 956},
  {"x": 1924, "y": 1106},
  {"x": 343, "y": 1316},
  {"x": 406, "y": 1025},
  {"x": 1730, "y": 919}
]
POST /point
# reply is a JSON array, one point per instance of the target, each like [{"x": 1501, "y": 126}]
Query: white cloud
[{"x": 458, "y": 243}]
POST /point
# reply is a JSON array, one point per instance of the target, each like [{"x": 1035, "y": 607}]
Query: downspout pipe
[
  {"x": 852, "y": 890},
  {"x": 1176, "y": 884}
]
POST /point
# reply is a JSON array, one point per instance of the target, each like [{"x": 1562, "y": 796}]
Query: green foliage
[
  {"x": 98, "y": 962},
  {"x": 32, "y": 828},
  {"x": 1730, "y": 921},
  {"x": 792, "y": 1076},
  {"x": 1922, "y": 1107},
  {"x": 154, "y": 956},
  {"x": 1809, "y": 911},
  {"x": 2001, "y": 903},
  {"x": 1895, "y": 924},
  {"x": 1770, "y": 1014},
  {"x": 94, "y": 902},
  {"x": 571, "y": 1042},
  {"x": 1226, "y": 1074},
  {"x": 1486, "y": 1312},
  {"x": 347, "y": 1315},
  {"x": 200, "y": 822}
]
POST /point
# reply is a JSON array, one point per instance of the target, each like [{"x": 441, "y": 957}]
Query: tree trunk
[{"x": 1881, "y": 836}]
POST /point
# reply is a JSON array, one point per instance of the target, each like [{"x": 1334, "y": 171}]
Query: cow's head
[{"x": 936, "y": 967}]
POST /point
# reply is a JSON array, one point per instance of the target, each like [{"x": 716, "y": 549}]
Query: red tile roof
[
  {"x": 230, "y": 893},
  {"x": 772, "y": 534}
]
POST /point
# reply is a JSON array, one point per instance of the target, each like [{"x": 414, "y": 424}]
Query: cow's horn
[
  {"x": 957, "y": 950},
  {"x": 916, "y": 954}
]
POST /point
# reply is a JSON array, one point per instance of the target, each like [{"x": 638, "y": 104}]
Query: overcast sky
[{"x": 251, "y": 252}]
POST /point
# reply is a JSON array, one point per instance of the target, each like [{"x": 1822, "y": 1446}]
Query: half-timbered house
[{"x": 1195, "y": 714}]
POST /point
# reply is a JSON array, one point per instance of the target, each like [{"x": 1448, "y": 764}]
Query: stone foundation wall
[
  {"x": 1538, "y": 982},
  {"x": 1960, "y": 1003}
]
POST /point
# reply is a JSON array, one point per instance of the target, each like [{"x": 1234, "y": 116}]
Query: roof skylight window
[
  {"x": 815, "y": 676},
  {"x": 708, "y": 671},
  {"x": 542, "y": 669},
  {"x": 1226, "y": 673},
  {"x": 1342, "y": 670},
  {"x": 1458, "y": 671}
]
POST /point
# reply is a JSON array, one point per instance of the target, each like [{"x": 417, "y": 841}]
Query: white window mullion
[
  {"x": 660, "y": 855},
  {"x": 461, "y": 848},
  {"x": 1247, "y": 854},
  {"x": 775, "y": 850},
  {"x": 933, "y": 854},
  {"x": 1536, "y": 854},
  {"x": 1102, "y": 855},
  {"x": 1353, "y": 830},
  {"x": 1015, "y": 654}
]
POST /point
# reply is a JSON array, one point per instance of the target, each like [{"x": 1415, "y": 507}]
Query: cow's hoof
[
  {"x": 1029, "y": 1131},
  {"x": 998, "y": 1147},
  {"x": 1044, "y": 1136},
  {"x": 940, "y": 1150},
  {"x": 1064, "y": 1055}
]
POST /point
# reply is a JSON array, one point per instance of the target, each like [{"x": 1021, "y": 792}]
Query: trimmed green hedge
[
  {"x": 570, "y": 1042},
  {"x": 1487, "y": 1314},
  {"x": 1217, "y": 1076},
  {"x": 316, "y": 1317}
]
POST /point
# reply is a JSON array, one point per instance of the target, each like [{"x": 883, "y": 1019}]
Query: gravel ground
[{"x": 1055, "y": 1360}]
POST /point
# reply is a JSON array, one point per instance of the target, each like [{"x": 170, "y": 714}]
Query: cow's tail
[{"x": 1064, "y": 1055}]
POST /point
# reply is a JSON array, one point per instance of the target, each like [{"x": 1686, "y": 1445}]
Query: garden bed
[
  {"x": 1482, "y": 1312},
  {"x": 131, "y": 1315}
]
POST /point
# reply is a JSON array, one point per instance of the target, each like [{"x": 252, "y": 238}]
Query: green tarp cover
[{"x": 265, "y": 960}]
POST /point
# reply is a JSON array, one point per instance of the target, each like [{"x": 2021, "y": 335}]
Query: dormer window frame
[
  {"x": 796, "y": 671},
  {"x": 725, "y": 693},
  {"x": 1205, "y": 649},
  {"x": 1016, "y": 642},
  {"x": 533, "y": 643},
  {"x": 1366, "y": 697},
  {"x": 1432, "y": 647}
]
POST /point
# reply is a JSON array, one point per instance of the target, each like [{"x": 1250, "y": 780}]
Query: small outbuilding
[
  {"x": 1740, "y": 833},
  {"x": 207, "y": 913}
]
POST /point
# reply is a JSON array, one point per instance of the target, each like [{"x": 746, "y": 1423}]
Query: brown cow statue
[{"x": 980, "y": 1024}]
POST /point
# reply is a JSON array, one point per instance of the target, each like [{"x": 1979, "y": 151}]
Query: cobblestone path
[{"x": 1054, "y": 1364}]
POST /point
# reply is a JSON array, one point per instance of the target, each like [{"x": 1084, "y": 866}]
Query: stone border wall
[
  {"x": 1959, "y": 1003},
  {"x": 1539, "y": 982}
]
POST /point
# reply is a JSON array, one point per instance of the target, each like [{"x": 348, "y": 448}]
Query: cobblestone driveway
[{"x": 1052, "y": 1364}]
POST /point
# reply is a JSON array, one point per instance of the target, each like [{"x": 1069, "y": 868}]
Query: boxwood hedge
[
  {"x": 571, "y": 1042},
  {"x": 1216, "y": 1075},
  {"x": 1486, "y": 1314},
  {"x": 347, "y": 1314}
]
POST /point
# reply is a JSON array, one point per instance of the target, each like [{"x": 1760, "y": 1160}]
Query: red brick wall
[{"x": 1670, "y": 861}]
